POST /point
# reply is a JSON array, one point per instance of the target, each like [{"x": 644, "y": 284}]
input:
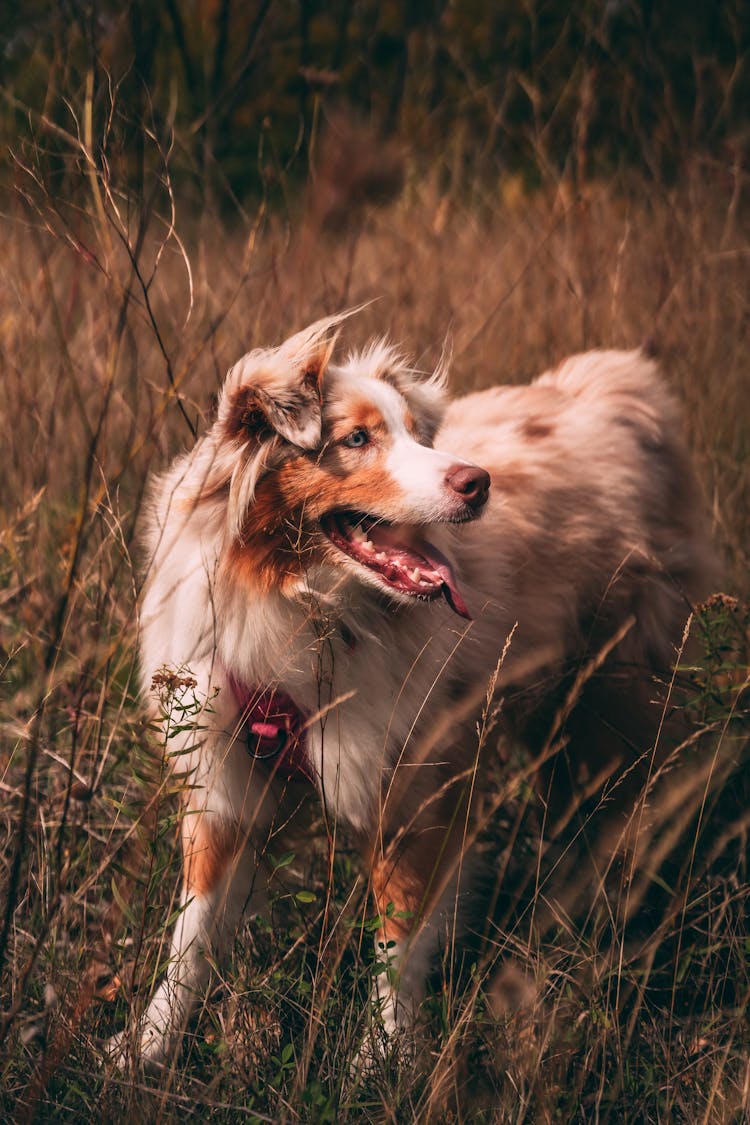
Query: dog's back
[
  {"x": 594, "y": 513},
  {"x": 595, "y": 539}
]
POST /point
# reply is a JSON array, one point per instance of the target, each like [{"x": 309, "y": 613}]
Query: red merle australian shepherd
[{"x": 342, "y": 562}]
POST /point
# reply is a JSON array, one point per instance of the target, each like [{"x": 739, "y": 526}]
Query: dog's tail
[{"x": 626, "y": 385}]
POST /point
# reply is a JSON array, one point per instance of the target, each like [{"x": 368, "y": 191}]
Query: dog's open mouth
[{"x": 398, "y": 554}]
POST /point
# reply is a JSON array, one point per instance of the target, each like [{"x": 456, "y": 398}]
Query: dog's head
[{"x": 332, "y": 465}]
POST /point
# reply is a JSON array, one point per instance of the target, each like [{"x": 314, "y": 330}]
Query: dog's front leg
[
  {"x": 403, "y": 945},
  {"x": 416, "y": 884},
  {"x": 219, "y": 866}
]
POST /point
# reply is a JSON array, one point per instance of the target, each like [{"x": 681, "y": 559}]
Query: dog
[{"x": 337, "y": 570}]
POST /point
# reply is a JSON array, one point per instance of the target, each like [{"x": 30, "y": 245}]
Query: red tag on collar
[{"x": 274, "y": 731}]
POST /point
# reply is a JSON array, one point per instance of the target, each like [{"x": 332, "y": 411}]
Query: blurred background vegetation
[{"x": 240, "y": 92}]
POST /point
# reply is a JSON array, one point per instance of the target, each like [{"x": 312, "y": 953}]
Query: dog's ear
[
  {"x": 428, "y": 396},
  {"x": 279, "y": 390},
  {"x": 426, "y": 393}
]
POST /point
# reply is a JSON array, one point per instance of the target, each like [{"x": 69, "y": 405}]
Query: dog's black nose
[{"x": 470, "y": 483}]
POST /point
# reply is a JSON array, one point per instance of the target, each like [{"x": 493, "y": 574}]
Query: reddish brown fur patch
[
  {"x": 262, "y": 564},
  {"x": 245, "y": 418},
  {"x": 534, "y": 428},
  {"x": 313, "y": 490},
  {"x": 274, "y": 550},
  {"x": 360, "y": 415},
  {"x": 277, "y": 544},
  {"x": 313, "y": 374},
  {"x": 412, "y": 426},
  {"x": 397, "y": 885},
  {"x": 208, "y": 846}
]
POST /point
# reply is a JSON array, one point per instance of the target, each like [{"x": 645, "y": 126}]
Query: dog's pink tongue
[
  {"x": 455, "y": 601},
  {"x": 451, "y": 591}
]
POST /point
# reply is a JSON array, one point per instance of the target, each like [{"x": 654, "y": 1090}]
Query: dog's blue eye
[{"x": 357, "y": 439}]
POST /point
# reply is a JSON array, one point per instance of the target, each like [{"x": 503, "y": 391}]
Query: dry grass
[{"x": 114, "y": 340}]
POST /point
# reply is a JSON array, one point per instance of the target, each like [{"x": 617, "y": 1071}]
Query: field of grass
[{"x": 117, "y": 325}]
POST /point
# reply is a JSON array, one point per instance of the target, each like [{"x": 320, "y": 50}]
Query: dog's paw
[
  {"x": 145, "y": 1050},
  {"x": 390, "y": 1037},
  {"x": 116, "y": 1050},
  {"x": 381, "y": 1056}
]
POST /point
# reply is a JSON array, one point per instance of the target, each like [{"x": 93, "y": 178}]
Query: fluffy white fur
[{"x": 591, "y": 522}]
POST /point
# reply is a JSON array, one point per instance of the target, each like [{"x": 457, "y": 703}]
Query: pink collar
[{"x": 274, "y": 730}]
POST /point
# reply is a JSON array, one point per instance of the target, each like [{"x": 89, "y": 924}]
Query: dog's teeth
[
  {"x": 415, "y": 574},
  {"x": 366, "y": 545},
  {"x": 381, "y": 556}
]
